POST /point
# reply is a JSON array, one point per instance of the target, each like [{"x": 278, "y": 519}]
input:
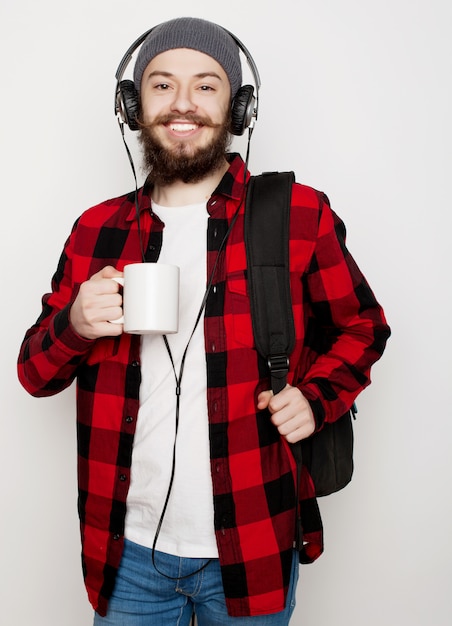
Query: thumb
[
  {"x": 263, "y": 399},
  {"x": 110, "y": 272}
]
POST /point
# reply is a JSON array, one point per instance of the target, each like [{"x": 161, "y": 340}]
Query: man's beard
[{"x": 182, "y": 162}]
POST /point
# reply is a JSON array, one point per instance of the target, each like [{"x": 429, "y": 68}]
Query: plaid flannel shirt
[{"x": 253, "y": 471}]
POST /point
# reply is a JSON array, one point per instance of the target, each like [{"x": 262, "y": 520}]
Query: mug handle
[{"x": 120, "y": 281}]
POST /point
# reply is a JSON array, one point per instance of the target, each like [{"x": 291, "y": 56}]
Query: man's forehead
[{"x": 187, "y": 62}]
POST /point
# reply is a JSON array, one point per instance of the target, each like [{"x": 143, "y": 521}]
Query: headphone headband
[{"x": 128, "y": 55}]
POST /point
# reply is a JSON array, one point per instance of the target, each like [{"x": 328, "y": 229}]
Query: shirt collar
[{"x": 231, "y": 186}]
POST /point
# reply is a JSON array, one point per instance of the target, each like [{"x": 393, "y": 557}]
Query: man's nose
[{"x": 183, "y": 101}]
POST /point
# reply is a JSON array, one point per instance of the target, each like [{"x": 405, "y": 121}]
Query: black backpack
[{"x": 328, "y": 454}]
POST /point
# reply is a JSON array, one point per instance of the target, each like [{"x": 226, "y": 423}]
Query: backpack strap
[
  {"x": 267, "y": 216},
  {"x": 267, "y": 219}
]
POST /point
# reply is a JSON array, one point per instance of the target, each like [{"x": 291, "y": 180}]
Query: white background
[{"x": 356, "y": 98}]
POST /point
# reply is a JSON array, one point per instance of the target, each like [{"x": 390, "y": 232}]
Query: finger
[
  {"x": 111, "y": 272},
  {"x": 282, "y": 416},
  {"x": 105, "y": 309},
  {"x": 110, "y": 290},
  {"x": 296, "y": 435},
  {"x": 293, "y": 431},
  {"x": 298, "y": 427},
  {"x": 104, "y": 287},
  {"x": 279, "y": 401},
  {"x": 112, "y": 313},
  {"x": 263, "y": 399},
  {"x": 106, "y": 272},
  {"x": 107, "y": 329}
]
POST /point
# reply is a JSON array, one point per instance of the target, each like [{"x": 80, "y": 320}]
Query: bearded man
[{"x": 188, "y": 494}]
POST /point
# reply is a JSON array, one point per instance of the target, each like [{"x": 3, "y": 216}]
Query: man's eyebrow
[
  {"x": 170, "y": 74},
  {"x": 208, "y": 74},
  {"x": 159, "y": 73}
]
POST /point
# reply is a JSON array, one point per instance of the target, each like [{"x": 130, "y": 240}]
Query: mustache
[{"x": 199, "y": 120}]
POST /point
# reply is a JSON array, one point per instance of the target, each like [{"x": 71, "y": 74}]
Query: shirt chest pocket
[{"x": 237, "y": 314}]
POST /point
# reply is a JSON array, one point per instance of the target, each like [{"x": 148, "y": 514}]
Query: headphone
[{"x": 244, "y": 104}]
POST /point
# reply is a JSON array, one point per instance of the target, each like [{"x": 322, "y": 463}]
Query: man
[{"x": 188, "y": 488}]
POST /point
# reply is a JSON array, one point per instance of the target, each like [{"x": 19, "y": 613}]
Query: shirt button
[
  {"x": 215, "y": 233},
  {"x": 135, "y": 364},
  {"x": 116, "y": 537},
  {"x": 122, "y": 477},
  {"x": 213, "y": 347},
  {"x": 129, "y": 419}
]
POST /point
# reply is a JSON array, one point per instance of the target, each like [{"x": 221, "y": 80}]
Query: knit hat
[{"x": 196, "y": 34}]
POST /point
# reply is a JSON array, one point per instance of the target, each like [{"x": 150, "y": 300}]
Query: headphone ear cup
[
  {"x": 242, "y": 109},
  {"x": 129, "y": 103}
]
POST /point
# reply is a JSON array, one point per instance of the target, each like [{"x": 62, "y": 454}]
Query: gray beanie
[{"x": 196, "y": 34}]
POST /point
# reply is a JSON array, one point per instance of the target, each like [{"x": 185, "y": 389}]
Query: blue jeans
[{"x": 144, "y": 597}]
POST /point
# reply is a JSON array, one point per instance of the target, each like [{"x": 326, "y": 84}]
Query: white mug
[{"x": 150, "y": 299}]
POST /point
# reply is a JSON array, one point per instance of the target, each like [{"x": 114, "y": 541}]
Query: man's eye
[
  {"x": 206, "y": 88},
  {"x": 162, "y": 86}
]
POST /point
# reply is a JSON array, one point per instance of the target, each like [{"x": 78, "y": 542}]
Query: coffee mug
[{"x": 150, "y": 299}]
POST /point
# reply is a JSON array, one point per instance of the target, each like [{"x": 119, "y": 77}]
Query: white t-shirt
[{"x": 188, "y": 527}]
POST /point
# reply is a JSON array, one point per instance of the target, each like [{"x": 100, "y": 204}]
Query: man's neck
[{"x": 182, "y": 194}]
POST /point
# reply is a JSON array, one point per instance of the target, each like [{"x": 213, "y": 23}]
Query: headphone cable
[
  {"x": 178, "y": 378},
  {"x": 137, "y": 207}
]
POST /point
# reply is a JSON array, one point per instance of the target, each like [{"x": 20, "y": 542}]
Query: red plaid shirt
[{"x": 253, "y": 471}]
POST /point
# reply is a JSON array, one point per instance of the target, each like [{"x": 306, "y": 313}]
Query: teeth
[{"x": 183, "y": 127}]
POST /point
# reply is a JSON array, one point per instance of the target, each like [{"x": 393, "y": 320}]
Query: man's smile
[{"x": 182, "y": 127}]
